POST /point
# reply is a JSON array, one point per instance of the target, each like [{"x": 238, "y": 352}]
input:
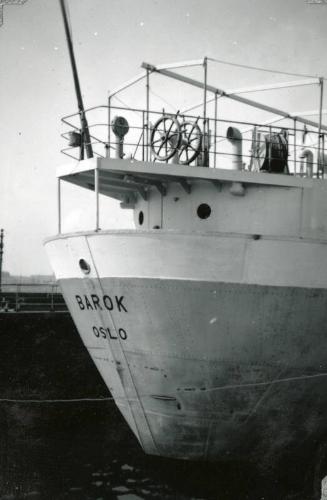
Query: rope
[
  {"x": 41, "y": 401},
  {"x": 260, "y": 69},
  {"x": 210, "y": 389},
  {"x": 125, "y": 105},
  {"x": 163, "y": 100}
]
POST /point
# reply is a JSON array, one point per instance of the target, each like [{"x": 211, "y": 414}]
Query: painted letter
[
  {"x": 88, "y": 303},
  {"x": 120, "y": 304},
  {"x": 96, "y": 302},
  {"x": 108, "y": 302},
  {"x": 96, "y": 331},
  {"x": 80, "y": 302},
  {"x": 103, "y": 332},
  {"x": 111, "y": 335},
  {"x": 122, "y": 334}
]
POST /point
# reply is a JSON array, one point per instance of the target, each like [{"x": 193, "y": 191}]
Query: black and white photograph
[{"x": 163, "y": 250}]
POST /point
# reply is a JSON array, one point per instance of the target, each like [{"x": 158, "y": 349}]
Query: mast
[
  {"x": 84, "y": 125},
  {"x": 1, "y": 257}
]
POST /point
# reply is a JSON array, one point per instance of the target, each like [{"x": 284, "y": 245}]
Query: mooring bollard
[{"x": 324, "y": 489}]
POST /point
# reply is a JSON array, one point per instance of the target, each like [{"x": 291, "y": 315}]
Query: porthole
[
  {"x": 141, "y": 218},
  {"x": 204, "y": 211},
  {"x": 84, "y": 266}
]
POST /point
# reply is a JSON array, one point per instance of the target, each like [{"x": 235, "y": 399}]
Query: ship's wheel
[
  {"x": 190, "y": 142},
  {"x": 168, "y": 138},
  {"x": 165, "y": 137}
]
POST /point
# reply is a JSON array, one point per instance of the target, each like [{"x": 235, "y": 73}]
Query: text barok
[{"x": 94, "y": 302}]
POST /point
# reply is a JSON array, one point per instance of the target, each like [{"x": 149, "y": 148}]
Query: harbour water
[
  {"x": 62, "y": 437},
  {"x": 85, "y": 451}
]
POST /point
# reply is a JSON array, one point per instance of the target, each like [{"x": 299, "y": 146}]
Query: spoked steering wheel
[
  {"x": 169, "y": 137},
  {"x": 165, "y": 137},
  {"x": 191, "y": 142}
]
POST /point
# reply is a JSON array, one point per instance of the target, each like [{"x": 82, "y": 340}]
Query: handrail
[
  {"x": 291, "y": 116},
  {"x": 137, "y": 147}
]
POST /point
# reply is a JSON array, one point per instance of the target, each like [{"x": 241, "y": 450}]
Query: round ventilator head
[{"x": 119, "y": 126}]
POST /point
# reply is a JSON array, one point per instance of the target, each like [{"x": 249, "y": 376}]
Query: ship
[{"x": 208, "y": 320}]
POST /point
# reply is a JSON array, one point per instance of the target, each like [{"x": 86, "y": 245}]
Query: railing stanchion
[
  {"x": 319, "y": 162},
  {"x": 269, "y": 150},
  {"x": 143, "y": 125},
  {"x": 323, "y": 152},
  {"x": 109, "y": 127},
  {"x": 294, "y": 129},
  {"x": 205, "y": 135},
  {"x": 147, "y": 112},
  {"x": 96, "y": 189},
  {"x": 215, "y": 128},
  {"x": 59, "y": 205}
]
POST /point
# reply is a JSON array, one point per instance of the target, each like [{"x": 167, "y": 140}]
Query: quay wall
[{"x": 42, "y": 356}]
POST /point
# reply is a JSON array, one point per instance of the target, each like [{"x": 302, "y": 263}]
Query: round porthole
[
  {"x": 84, "y": 266},
  {"x": 141, "y": 218},
  {"x": 204, "y": 211}
]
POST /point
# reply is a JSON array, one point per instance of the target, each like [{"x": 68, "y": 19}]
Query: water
[{"x": 86, "y": 451}]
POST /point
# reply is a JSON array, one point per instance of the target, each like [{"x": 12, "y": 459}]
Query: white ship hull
[{"x": 213, "y": 345}]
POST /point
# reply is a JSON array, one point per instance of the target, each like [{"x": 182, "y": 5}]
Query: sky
[{"x": 111, "y": 39}]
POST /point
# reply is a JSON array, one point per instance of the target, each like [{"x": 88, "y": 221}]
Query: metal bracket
[
  {"x": 128, "y": 201},
  {"x": 159, "y": 185},
  {"x": 161, "y": 188},
  {"x": 217, "y": 184},
  {"x": 142, "y": 192},
  {"x": 185, "y": 185}
]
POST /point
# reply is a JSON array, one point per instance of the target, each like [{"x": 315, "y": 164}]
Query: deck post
[
  {"x": 215, "y": 130},
  {"x": 320, "y": 161},
  {"x": 323, "y": 149},
  {"x": 96, "y": 190},
  {"x": 59, "y": 204},
  {"x": 143, "y": 139},
  {"x": 294, "y": 130},
  {"x": 147, "y": 112},
  {"x": 205, "y": 135},
  {"x": 108, "y": 153}
]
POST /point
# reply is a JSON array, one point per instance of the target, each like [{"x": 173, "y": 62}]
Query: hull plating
[
  {"x": 203, "y": 368},
  {"x": 243, "y": 373}
]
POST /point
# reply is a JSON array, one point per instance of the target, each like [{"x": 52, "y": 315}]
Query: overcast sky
[{"x": 112, "y": 38}]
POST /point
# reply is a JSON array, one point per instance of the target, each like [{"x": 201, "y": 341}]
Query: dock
[{"x": 31, "y": 298}]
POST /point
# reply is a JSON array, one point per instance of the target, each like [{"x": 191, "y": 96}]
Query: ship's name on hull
[
  {"x": 95, "y": 302},
  {"x": 105, "y": 333}
]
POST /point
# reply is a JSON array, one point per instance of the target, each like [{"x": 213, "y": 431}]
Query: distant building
[
  {"x": 37, "y": 279},
  {"x": 37, "y": 283}
]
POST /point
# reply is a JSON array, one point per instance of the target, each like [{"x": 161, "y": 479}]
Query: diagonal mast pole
[{"x": 84, "y": 124}]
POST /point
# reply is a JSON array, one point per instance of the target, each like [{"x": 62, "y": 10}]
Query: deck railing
[{"x": 144, "y": 141}]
